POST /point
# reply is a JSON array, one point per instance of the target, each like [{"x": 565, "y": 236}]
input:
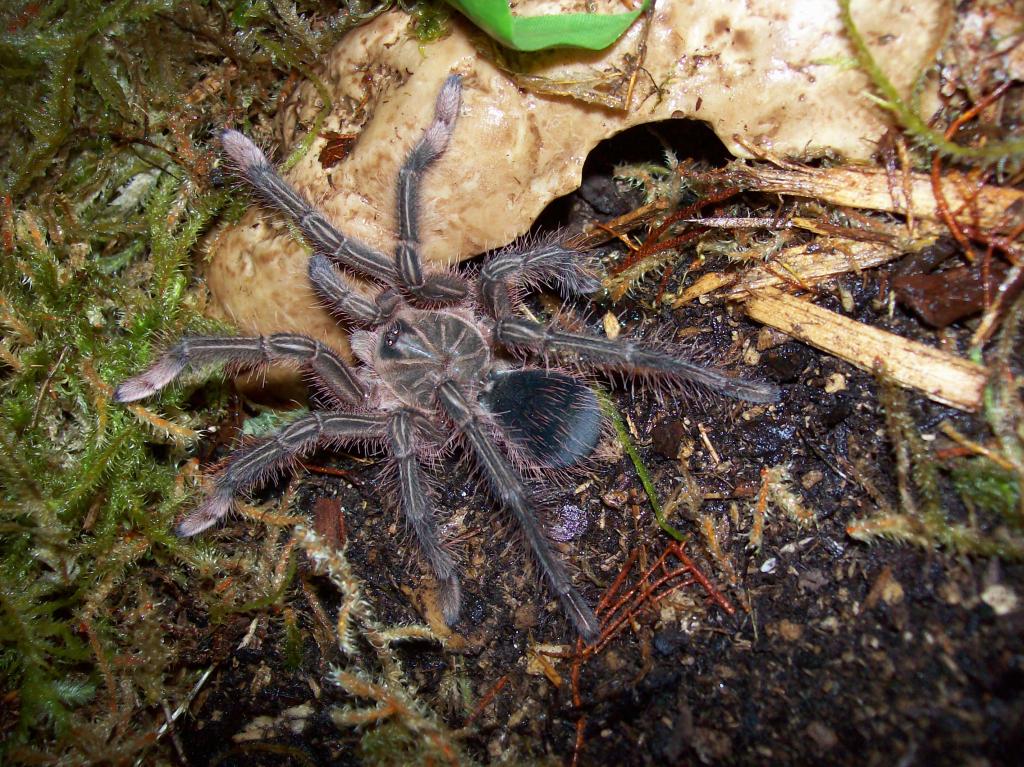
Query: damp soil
[{"x": 836, "y": 651}]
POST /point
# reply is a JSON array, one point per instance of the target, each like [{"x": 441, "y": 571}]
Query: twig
[
  {"x": 811, "y": 262},
  {"x": 939, "y": 375},
  {"x": 644, "y": 593},
  {"x": 489, "y": 696},
  {"x": 867, "y": 188}
]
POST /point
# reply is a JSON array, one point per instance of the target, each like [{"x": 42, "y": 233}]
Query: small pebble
[
  {"x": 823, "y": 735},
  {"x": 811, "y": 478},
  {"x": 666, "y": 438},
  {"x": 790, "y": 631},
  {"x": 1002, "y": 599},
  {"x": 615, "y": 499},
  {"x": 835, "y": 383}
]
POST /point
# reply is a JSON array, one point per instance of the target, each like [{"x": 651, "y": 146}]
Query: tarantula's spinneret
[{"x": 435, "y": 351}]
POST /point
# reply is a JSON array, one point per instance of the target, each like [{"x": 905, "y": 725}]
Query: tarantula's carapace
[{"x": 444, "y": 354}]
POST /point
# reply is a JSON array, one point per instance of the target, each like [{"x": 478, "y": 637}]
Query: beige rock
[{"x": 771, "y": 74}]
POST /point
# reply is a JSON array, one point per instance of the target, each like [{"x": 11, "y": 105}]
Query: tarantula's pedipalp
[
  {"x": 508, "y": 489},
  {"x": 415, "y": 503},
  {"x": 246, "y": 352},
  {"x": 626, "y": 356},
  {"x": 435, "y": 352},
  {"x": 437, "y": 287},
  {"x": 346, "y": 301},
  {"x": 254, "y": 167},
  {"x": 251, "y": 465}
]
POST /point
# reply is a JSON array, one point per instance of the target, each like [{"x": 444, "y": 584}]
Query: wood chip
[{"x": 941, "y": 376}]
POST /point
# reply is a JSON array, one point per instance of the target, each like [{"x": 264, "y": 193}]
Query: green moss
[
  {"x": 293, "y": 641},
  {"x": 431, "y": 21},
  {"x": 924, "y": 518},
  {"x": 106, "y": 111},
  {"x": 391, "y": 745},
  {"x": 987, "y": 487}
]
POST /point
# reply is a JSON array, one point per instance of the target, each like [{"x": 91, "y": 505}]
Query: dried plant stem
[
  {"x": 810, "y": 263},
  {"x": 939, "y": 375},
  {"x": 992, "y": 208}
]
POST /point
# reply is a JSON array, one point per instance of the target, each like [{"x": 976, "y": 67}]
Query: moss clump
[
  {"x": 908, "y": 113},
  {"x": 431, "y": 20},
  {"x": 106, "y": 115},
  {"x": 990, "y": 492},
  {"x": 987, "y": 487}
]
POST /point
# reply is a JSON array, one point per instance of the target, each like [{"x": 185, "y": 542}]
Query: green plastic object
[{"x": 593, "y": 31}]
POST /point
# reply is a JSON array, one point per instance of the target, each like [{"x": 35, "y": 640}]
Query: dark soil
[{"x": 838, "y": 653}]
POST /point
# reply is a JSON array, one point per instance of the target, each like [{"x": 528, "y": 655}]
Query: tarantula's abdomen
[
  {"x": 553, "y": 418},
  {"x": 420, "y": 349}
]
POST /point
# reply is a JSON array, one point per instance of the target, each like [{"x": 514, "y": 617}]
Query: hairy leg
[
  {"x": 425, "y": 286},
  {"x": 201, "y": 351},
  {"x": 626, "y": 356},
  {"x": 251, "y": 465},
  {"x": 416, "y": 507},
  {"x": 508, "y": 488},
  {"x": 255, "y": 168},
  {"x": 340, "y": 297},
  {"x": 506, "y": 273}
]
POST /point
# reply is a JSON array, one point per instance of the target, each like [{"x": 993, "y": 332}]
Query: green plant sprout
[{"x": 612, "y": 413}]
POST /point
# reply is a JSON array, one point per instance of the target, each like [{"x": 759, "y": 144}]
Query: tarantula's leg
[
  {"x": 625, "y": 355},
  {"x": 345, "y": 300},
  {"x": 508, "y": 488},
  {"x": 256, "y": 169},
  {"x": 425, "y": 286},
  {"x": 200, "y": 351},
  {"x": 505, "y": 274},
  {"x": 251, "y": 465},
  {"x": 418, "y": 512}
]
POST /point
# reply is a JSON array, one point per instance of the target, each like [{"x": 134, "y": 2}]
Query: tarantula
[{"x": 442, "y": 358}]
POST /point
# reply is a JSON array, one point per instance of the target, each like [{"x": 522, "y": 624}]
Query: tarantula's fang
[{"x": 553, "y": 417}]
